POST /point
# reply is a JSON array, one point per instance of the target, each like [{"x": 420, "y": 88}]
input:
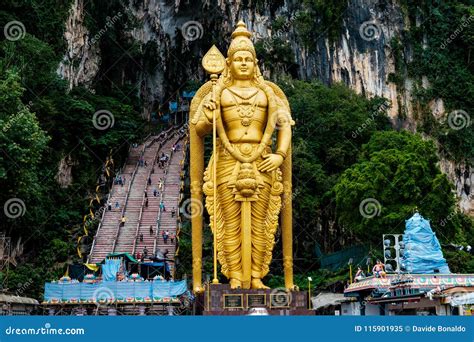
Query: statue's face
[{"x": 242, "y": 65}]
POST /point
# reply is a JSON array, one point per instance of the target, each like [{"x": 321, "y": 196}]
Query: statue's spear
[{"x": 214, "y": 64}]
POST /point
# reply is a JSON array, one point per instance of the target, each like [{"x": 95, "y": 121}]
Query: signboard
[
  {"x": 256, "y": 300},
  {"x": 233, "y": 301}
]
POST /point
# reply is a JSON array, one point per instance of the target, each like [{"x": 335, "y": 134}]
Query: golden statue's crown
[{"x": 241, "y": 41}]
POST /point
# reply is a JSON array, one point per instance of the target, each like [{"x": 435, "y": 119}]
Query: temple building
[{"x": 419, "y": 281}]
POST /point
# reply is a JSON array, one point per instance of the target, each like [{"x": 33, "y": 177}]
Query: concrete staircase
[
  {"x": 107, "y": 231},
  {"x": 110, "y": 237},
  {"x": 136, "y": 201},
  {"x": 152, "y": 214}
]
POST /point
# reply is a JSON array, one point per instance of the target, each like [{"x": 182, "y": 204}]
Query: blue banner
[
  {"x": 113, "y": 291},
  {"x": 238, "y": 329},
  {"x": 111, "y": 268}
]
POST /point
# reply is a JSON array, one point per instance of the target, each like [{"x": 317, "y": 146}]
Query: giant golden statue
[{"x": 246, "y": 184}]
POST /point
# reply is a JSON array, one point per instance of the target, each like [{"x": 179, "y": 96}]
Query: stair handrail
[{"x": 98, "y": 228}]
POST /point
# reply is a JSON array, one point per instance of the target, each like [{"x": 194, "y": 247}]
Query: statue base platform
[{"x": 221, "y": 300}]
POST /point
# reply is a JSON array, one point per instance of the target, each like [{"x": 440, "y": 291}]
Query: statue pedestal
[{"x": 222, "y": 300}]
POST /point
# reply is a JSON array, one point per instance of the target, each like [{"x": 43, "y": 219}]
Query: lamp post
[
  {"x": 208, "y": 283},
  {"x": 309, "y": 292}
]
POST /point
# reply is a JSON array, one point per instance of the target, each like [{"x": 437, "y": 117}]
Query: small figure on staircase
[
  {"x": 151, "y": 230},
  {"x": 173, "y": 212},
  {"x": 161, "y": 164},
  {"x": 141, "y": 237},
  {"x": 122, "y": 221},
  {"x": 165, "y": 235},
  {"x": 146, "y": 203}
]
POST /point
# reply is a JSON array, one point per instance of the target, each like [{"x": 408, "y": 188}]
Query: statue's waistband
[{"x": 245, "y": 148}]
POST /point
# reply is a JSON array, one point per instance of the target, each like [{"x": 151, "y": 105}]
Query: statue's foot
[
  {"x": 257, "y": 284},
  {"x": 235, "y": 284}
]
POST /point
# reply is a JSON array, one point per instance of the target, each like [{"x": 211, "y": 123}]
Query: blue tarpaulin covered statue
[{"x": 422, "y": 252}]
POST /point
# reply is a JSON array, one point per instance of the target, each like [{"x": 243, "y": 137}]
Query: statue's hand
[
  {"x": 271, "y": 163},
  {"x": 209, "y": 107}
]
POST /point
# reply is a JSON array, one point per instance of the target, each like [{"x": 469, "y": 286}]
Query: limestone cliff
[
  {"x": 81, "y": 60},
  {"x": 178, "y": 32}
]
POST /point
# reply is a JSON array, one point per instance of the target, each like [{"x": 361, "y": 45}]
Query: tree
[
  {"x": 22, "y": 143},
  {"x": 332, "y": 123},
  {"x": 396, "y": 173}
]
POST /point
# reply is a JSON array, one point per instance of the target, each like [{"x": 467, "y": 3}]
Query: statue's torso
[{"x": 244, "y": 114}]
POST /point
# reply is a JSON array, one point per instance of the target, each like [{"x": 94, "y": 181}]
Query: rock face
[
  {"x": 462, "y": 177},
  {"x": 64, "y": 174},
  {"x": 361, "y": 56},
  {"x": 81, "y": 61},
  {"x": 179, "y": 31}
]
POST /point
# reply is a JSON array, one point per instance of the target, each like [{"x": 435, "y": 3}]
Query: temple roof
[
  {"x": 6, "y": 298},
  {"x": 421, "y": 281}
]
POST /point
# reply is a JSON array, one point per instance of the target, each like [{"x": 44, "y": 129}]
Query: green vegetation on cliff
[{"x": 41, "y": 124}]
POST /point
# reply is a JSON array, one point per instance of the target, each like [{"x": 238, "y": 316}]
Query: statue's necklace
[
  {"x": 245, "y": 109},
  {"x": 243, "y": 97}
]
